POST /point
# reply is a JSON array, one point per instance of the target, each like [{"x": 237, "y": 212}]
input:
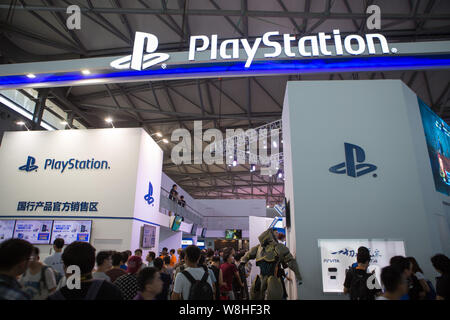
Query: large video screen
[
  {"x": 70, "y": 231},
  {"x": 338, "y": 255},
  {"x": 437, "y": 135},
  {"x": 6, "y": 229},
  {"x": 233, "y": 234},
  {"x": 34, "y": 231}
]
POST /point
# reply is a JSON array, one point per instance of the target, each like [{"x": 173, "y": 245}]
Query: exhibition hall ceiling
[{"x": 34, "y": 30}]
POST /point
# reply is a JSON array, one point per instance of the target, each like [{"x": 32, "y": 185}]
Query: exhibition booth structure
[{"x": 374, "y": 172}]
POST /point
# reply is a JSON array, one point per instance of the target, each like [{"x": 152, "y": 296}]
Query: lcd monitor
[
  {"x": 194, "y": 229},
  {"x": 176, "y": 223},
  {"x": 6, "y": 229},
  {"x": 233, "y": 234},
  {"x": 72, "y": 230},
  {"x": 34, "y": 231},
  {"x": 204, "y": 233}
]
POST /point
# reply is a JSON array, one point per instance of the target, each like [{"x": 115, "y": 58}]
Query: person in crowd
[
  {"x": 115, "y": 272},
  {"x": 149, "y": 284},
  {"x": 221, "y": 256},
  {"x": 104, "y": 264},
  {"x": 209, "y": 256},
  {"x": 181, "y": 256},
  {"x": 229, "y": 272},
  {"x": 167, "y": 267},
  {"x": 55, "y": 260},
  {"x": 173, "y": 195},
  {"x": 14, "y": 257},
  {"x": 125, "y": 257},
  {"x": 82, "y": 255},
  {"x": 150, "y": 258},
  {"x": 202, "y": 264},
  {"x": 138, "y": 253},
  {"x": 182, "y": 202},
  {"x": 215, "y": 268},
  {"x": 181, "y": 265},
  {"x": 420, "y": 286},
  {"x": 441, "y": 263},
  {"x": 394, "y": 282},
  {"x": 165, "y": 278},
  {"x": 405, "y": 268},
  {"x": 164, "y": 252},
  {"x": 173, "y": 258},
  {"x": 184, "y": 280},
  {"x": 127, "y": 283},
  {"x": 355, "y": 283},
  {"x": 240, "y": 292},
  {"x": 38, "y": 280}
]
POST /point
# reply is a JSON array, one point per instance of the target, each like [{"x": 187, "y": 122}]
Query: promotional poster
[
  {"x": 72, "y": 231},
  {"x": 6, "y": 229},
  {"x": 34, "y": 231}
]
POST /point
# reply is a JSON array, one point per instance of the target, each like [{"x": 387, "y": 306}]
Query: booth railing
[{"x": 167, "y": 205}]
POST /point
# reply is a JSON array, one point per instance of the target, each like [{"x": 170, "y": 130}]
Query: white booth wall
[
  {"x": 134, "y": 160},
  {"x": 400, "y": 203}
]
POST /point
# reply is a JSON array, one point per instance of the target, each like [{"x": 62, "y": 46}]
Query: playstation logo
[
  {"x": 30, "y": 165},
  {"x": 138, "y": 60},
  {"x": 353, "y": 167},
  {"x": 149, "y": 197}
]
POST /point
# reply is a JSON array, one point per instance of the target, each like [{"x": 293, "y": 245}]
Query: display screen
[
  {"x": 233, "y": 234},
  {"x": 437, "y": 136},
  {"x": 176, "y": 223},
  {"x": 148, "y": 236},
  {"x": 204, "y": 233},
  {"x": 34, "y": 231},
  {"x": 6, "y": 229},
  {"x": 70, "y": 231},
  {"x": 194, "y": 229},
  {"x": 338, "y": 255},
  {"x": 201, "y": 244},
  {"x": 185, "y": 242}
]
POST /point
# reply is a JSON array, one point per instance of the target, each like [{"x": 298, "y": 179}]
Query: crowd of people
[
  {"x": 108, "y": 275},
  {"x": 403, "y": 279},
  {"x": 191, "y": 274}
]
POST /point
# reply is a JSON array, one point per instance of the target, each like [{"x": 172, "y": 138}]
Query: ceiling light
[
  {"x": 165, "y": 140},
  {"x": 64, "y": 123},
  {"x": 280, "y": 175},
  {"x": 109, "y": 120},
  {"x": 20, "y": 123},
  {"x": 85, "y": 72},
  {"x": 159, "y": 134},
  {"x": 274, "y": 144},
  {"x": 31, "y": 76},
  {"x": 234, "y": 163}
]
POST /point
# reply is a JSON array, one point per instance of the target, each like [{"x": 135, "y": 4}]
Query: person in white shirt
[
  {"x": 104, "y": 263},
  {"x": 55, "y": 260},
  {"x": 182, "y": 285},
  {"x": 38, "y": 280},
  {"x": 394, "y": 282}
]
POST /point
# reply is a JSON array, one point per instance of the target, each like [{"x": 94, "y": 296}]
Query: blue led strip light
[{"x": 265, "y": 67}]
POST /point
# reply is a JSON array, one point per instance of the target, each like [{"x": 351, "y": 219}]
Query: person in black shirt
[
  {"x": 442, "y": 265},
  {"x": 182, "y": 203},
  {"x": 355, "y": 282},
  {"x": 82, "y": 254},
  {"x": 215, "y": 267},
  {"x": 173, "y": 194}
]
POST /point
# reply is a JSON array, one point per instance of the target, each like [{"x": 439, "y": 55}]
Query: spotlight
[
  {"x": 165, "y": 140},
  {"x": 20, "y": 123},
  {"x": 159, "y": 134},
  {"x": 31, "y": 76},
  {"x": 85, "y": 72},
  {"x": 280, "y": 175},
  {"x": 109, "y": 120},
  {"x": 275, "y": 144},
  {"x": 64, "y": 123},
  {"x": 234, "y": 163}
]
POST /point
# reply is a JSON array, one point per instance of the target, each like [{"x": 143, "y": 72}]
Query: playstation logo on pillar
[
  {"x": 30, "y": 165},
  {"x": 149, "y": 196},
  {"x": 138, "y": 60},
  {"x": 353, "y": 165}
]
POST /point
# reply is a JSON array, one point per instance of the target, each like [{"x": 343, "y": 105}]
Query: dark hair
[
  {"x": 158, "y": 263},
  {"x": 441, "y": 262},
  {"x": 363, "y": 255},
  {"x": 152, "y": 255},
  {"x": 165, "y": 249},
  {"x": 166, "y": 260},
  {"x": 59, "y": 243},
  {"x": 125, "y": 256},
  {"x": 116, "y": 258},
  {"x": 391, "y": 277},
  {"x": 182, "y": 197},
  {"x": 145, "y": 276},
  {"x": 172, "y": 250},
  {"x": 182, "y": 255},
  {"x": 13, "y": 252},
  {"x": 401, "y": 263},
  {"x": 137, "y": 250},
  {"x": 415, "y": 265},
  {"x": 202, "y": 260},
  {"x": 226, "y": 255},
  {"x": 238, "y": 256},
  {"x": 81, "y": 254},
  {"x": 174, "y": 186},
  {"x": 192, "y": 253},
  {"x": 102, "y": 256},
  {"x": 209, "y": 253},
  {"x": 35, "y": 251},
  {"x": 215, "y": 259}
]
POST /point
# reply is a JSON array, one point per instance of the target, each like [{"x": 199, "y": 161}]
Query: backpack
[
  {"x": 200, "y": 289},
  {"x": 358, "y": 286},
  {"x": 90, "y": 295}
]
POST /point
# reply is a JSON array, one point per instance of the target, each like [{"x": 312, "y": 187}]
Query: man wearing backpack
[
  {"x": 38, "y": 280},
  {"x": 356, "y": 278},
  {"x": 193, "y": 283}
]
